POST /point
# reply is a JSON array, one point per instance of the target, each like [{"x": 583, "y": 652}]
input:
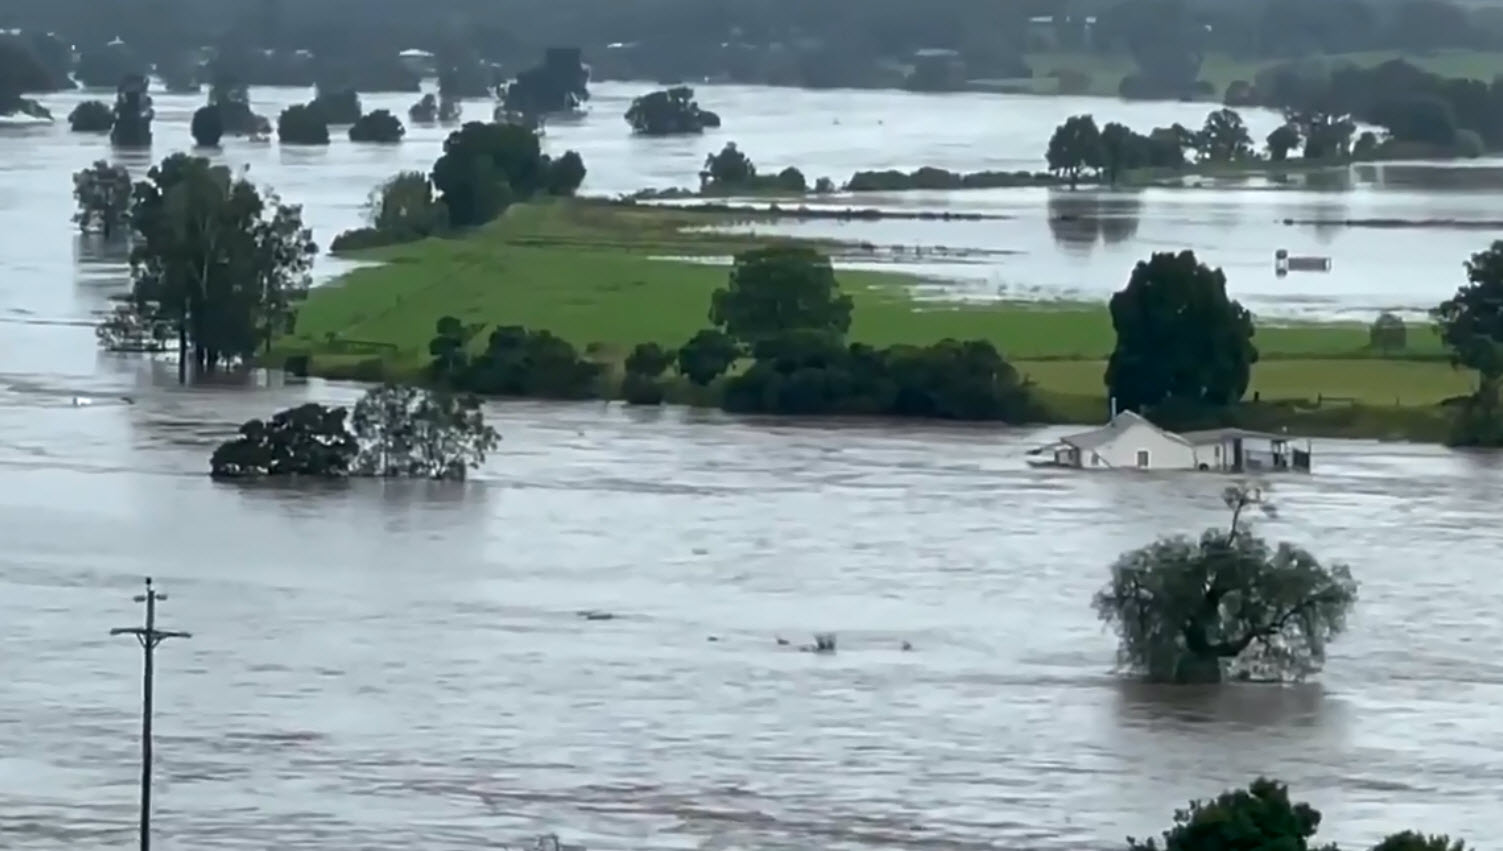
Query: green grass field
[
  {"x": 600, "y": 276},
  {"x": 1107, "y": 71}
]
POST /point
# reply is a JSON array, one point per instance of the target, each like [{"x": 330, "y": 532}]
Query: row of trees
[{"x": 1079, "y": 150}]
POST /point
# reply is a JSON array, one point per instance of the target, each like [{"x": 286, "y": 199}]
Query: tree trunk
[
  {"x": 1192, "y": 669},
  {"x": 182, "y": 352}
]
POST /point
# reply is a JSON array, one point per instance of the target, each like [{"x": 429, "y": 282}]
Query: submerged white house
[{"x": 1131, "y": 442}]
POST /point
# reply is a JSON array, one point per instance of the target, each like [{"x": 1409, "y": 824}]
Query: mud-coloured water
[{"x": 390, "y": 666}]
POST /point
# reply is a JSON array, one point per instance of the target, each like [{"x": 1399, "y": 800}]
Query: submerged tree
[
  {"x": 91, "y": 116},
  {"x": 425, "y": 111},
  {"x": 408, "y": 431},
  {"x": 669, "y": 112},
  {"x": 1193, "y": 611},
  {"x": 133, "y": 114},
  {"x": 1075, "y": 149},
  {"x": 216, "y": 259},
  {"x": 560, "y": 84},
  {"x": 728, "y": 169},
  {"x": 103, "y": 193},
  {"x": 379, "y": 126},
  {"x": 302, "y": 124},
  {"x": 1224, "y": 138},
  {"x": 208, "y": 126},
  {"x": 707, "y": 356},
  {"x": 339, "y": 105},
  {"x": 308, "y": 440},
  {"x": 232, "y": 97}
]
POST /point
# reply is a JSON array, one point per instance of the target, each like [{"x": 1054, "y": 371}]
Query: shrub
[
  {"x": 91, "y": 116},
  {"x": 208, "y": 126},
  {"x": 379, "y": 126},
  {"x": 1387, "y": 334},
  {"x": 301, "y": 124}
]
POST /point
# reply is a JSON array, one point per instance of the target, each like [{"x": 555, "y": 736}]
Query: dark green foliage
[
  {"x": 728, "y": 168},
  {"x": 929, "y": 177},
  {"x": 1121, "y": 150},
  {"x": 1166, "y": 42},
  {"x": 411, "y": 432},
  {"x": 132, "y": 115},
  {"x": 485, "y": 166},
  {"x": 1426, "y": 118},
  {"x": 810, "y": 372},
  {"x": 516, "y": 362},
  {"x": 669, "y": 112},
  {"x": 401, "y": 209},
  {"x": 379, "y": 126},
  {"x": 1259, "y": 818},
  {"x": 1191, "y": 611},
  {"x": 103, "y": 193},
  {"x": 780, "y": 288},
  {"x": 1387, "y": 334},
  {"x": 32, "y": 62},
  {"x": 1479, "y": 422},
  {"x": 302, "y": 124},
  {"x": 425, "y": 111},
  {"x": 1413, "y": 841},
  {"x": 232, "y": 98},
  {"x": 217, "y": 259},
  {"x": 337, "y": 104},
  {"x": 1179, "y": 336},
  {"x": 466, "y": 76},
  {"x": 1471, "y": 321},
  {"x": 1281, "y": 141},
  {"x": 308, "y": 440},
  {"x": 448, "y": 349},
  {"x": 649, "y": 360},
  {"x": 1224, "y": 138},
  {"x": 707, "y": 355},
  {"x": 560, "y": 84},
  {"x": 91, "y": 116},
  {"x": 565, "y": 174},
  {"x": 208, "y": 126},
  {"x": 1075, "y": 148},
  {"x": 644, "y": 367}
]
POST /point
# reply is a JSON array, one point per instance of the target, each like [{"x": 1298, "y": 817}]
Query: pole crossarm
[{"x": 148, "y": 636}]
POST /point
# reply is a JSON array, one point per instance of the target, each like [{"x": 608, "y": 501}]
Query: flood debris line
[
  {"x": 774, "y": 211},
  {"x": 1455, "y": 224}
]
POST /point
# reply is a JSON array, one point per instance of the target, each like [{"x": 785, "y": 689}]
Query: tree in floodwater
[
  {"x": 133, "y": 114},
  {"x": 91, "y": 116},
  {"x": 1193, "y": 611},
  {"x": 308, "y": 440},
  {"x": 411, "y": 432},
  {"x": 217, "y": 260},
  {"x": 103, "y": 193}
]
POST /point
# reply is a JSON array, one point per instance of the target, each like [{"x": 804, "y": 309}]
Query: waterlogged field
[{"x": 607, "y": 277}]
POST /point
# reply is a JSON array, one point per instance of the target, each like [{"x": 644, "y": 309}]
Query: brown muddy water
[{"x": 394, "y": 666}]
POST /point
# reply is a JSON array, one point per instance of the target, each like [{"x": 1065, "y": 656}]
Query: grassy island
[{"x": 606, "y": 277}]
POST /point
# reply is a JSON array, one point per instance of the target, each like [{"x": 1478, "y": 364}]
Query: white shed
[{"x": 1127, "y": 442}]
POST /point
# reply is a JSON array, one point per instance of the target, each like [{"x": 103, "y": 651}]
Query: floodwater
[{"x": 399, "y": 665}]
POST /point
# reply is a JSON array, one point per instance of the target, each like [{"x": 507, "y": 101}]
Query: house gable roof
[{"x": 1119, "y": 425}]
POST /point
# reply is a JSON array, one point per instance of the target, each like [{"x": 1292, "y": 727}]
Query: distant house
[{"x": 1130, "y": 442}]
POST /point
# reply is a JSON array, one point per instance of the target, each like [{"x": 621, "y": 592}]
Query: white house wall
[{"x": 1164, "y": 452}]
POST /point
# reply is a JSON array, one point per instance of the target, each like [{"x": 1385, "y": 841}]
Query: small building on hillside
[{"x": 1130, "y": 442}]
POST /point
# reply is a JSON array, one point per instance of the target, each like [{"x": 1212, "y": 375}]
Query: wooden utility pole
[{"x": 149, "y": 637}]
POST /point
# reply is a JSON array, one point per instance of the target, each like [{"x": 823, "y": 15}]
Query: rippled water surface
[{"x": 394, "y": 666}]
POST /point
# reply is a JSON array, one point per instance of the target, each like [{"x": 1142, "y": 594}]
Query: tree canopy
[
  {"x": 91, "y": 116},
  {"x": 780, "y": 288},
  {"x": 103, "y": 193},
  {"x": 1075, "y": 148},
  {"x": 1193, "y": 611},
  {"x": 1179, "y": 336},
  {"x": 302, "y": 124},
  {"x": 485, "y": 166},
  {"x": 216, "y": 259},
  {"x": 410, "y": 432},
  {"x": 379, "y": 126},
  {"x": 337, "y": 104},
  {"x": 133, "y": 114},
  {"x": 208, "y": 126},
  {"x": 669, "y": 112},
  {"x": 1471, "y": 321},
  {"x": 393, "y": 431},
  {"x": 559, "y": 84}
]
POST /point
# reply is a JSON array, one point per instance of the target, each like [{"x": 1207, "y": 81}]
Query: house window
[{"x": 1143, "y": 459}]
